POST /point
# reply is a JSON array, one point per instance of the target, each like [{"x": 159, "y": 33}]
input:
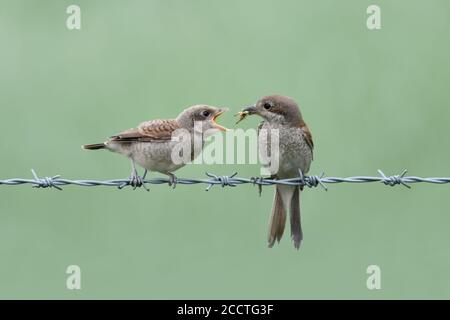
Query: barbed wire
[{"x": 231, "y": 181}]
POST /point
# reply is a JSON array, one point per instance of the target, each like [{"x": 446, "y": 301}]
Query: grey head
[
  {"x": 277, "y": 109},
  {"x": 201, "y": 118}
]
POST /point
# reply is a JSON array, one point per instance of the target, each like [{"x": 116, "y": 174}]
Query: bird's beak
[
  {"x": 246, "y": 112},
  {"x": 215, "y": 124},
  {"x": 250, "y": 110}
]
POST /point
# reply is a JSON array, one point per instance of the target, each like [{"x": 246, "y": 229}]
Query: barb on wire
[{"x": 231, "y": 181}]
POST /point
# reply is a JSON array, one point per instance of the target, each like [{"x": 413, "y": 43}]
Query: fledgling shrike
[{"x": 152, "y": 143}]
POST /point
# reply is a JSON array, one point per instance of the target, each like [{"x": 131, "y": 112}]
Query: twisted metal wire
[{"x": 231, "y": 181}]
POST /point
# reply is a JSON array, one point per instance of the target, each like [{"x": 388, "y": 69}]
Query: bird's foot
[
  {"x": 173, "y": 180},
  {"x": 136, "y": 181},
  {"x": 259, "y": 182}
]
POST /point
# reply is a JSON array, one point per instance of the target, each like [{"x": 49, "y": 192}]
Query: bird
[
  {"x": 281, "y": 115},
  {"x": 154, "y": 144}
]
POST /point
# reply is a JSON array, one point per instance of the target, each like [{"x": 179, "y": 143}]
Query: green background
[{"x": 373, "y": 99}]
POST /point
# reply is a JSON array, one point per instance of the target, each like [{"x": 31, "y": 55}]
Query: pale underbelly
[{"x": 151, "y": 156}]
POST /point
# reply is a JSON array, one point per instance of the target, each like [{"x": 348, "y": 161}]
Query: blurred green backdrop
[{"x": 373, "y": 99}]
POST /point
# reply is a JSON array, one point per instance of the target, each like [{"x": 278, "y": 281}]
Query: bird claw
[
  {"x": 258, "y": 181},
  {"x": 173, "y": 180},
  {"x": 135, "y": 181}
]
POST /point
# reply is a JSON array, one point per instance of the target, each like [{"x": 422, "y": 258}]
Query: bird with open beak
[
  {"x": 281, "y": 115},
  {"x": 152, "y": 143}
]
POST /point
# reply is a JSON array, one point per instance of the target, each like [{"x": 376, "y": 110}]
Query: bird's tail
[
  {"x": 286, "y": 197},
  {"x": 277, "y": 219},
  {"x": 296, "y": 225},
  {"x": 95, "y": 146}
]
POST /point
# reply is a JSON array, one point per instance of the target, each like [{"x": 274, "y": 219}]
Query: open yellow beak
[{"x": 218, "y": 126}]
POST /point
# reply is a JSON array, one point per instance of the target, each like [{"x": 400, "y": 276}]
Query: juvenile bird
[
  {"x": 282, "y": 116},
  {"x": 152, "y": 143}
]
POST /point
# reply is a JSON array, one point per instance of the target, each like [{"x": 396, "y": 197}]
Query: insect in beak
[{"x": 242, "y": 115}]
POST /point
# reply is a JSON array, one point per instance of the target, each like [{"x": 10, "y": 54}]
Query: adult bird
[{"x": 294, "y": 152}]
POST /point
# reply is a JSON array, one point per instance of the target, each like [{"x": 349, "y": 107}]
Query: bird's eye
[
  {"x": 267, "y": 105},
  {"x": 206, "y": 113}
]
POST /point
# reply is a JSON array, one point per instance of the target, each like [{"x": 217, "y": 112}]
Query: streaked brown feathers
[{"x": 149, "y": 131}]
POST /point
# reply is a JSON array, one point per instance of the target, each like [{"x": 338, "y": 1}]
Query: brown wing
[
  {"x": 150, "y": 131},
  {"x": 307, "y": 135}
]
